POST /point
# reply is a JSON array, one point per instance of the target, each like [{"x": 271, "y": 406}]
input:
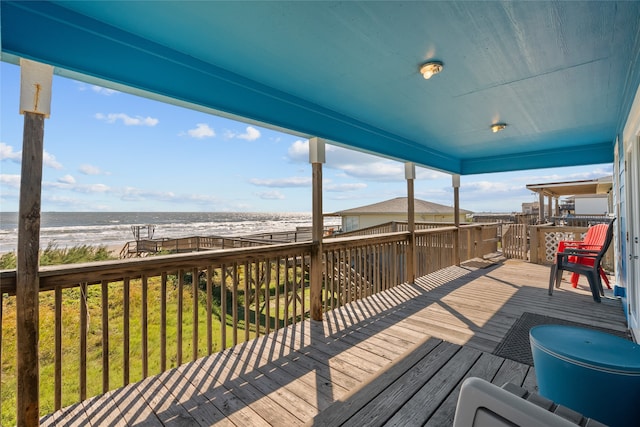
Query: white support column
[
  {"x": 410, "y": 176},
  {"x": 35, "y": 104},
  {"x": 316, "y": 158},
  {"x": 455, "y": 183}
]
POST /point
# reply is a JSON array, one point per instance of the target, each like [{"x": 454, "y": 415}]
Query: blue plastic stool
[{"x": 591, "y": 372}]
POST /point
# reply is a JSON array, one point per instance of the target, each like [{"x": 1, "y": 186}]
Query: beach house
[
  {"x": 396, "y": 210},
  {"x": 399, "y": 319}
]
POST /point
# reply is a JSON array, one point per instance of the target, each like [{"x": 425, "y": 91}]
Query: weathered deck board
[
  {"x": 486, "y": 368},
  {"x": 378, "y": 410},
  {"x": 395, "y": 358}
]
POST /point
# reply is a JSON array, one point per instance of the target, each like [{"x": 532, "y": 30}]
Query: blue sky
[{"x": 111, "y": 151}]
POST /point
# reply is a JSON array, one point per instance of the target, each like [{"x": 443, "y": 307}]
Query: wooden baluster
[
  {"x": 105, "y": 336},
  {"x": 277, "y": 304},
  {"x": 179, "y": 325},
  {"x": 267, "y": 297},
  {"x": 325, "y": 273},
  {"x": 358, "y": 274},
  {"x": 256, "y": 296},
  {"x": 387, "y": 265},
  {"x": 83, "y": 341},
  {"x": 163, "y": 321},
  {"x": 294, "y": 285},
  {"x": 394, "y": 265},
  {"x": 58, "y": 348},
  {"x": 367, "y": 270},
  {"x": 348, "y": 274},
  {"x": 305, "y": 271},
  {"x": 1, "y": 307},
  {"x": 145, "y": 328},
  {"x": 194, "y": 330},
  {"x": 209, "y": 307},
  {"x": 286, "y": 291},
  {"x": 125, "y": 331},
  {"x": 376, "y": 267},
  {"x": 247, "y": 299},
  {"x": 336, "y": 273},
  {"x": 234, "y": 301},
  {"x": 223, "y": 307}
]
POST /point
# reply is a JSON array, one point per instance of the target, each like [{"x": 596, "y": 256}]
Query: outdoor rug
[{"x": 515, "y": 344}]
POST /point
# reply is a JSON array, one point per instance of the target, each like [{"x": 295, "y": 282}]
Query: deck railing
[
  {"x": 121, "y": 321},
  {"x": 392, "y": 227},
  {"x": 545, "y": 238},
  {"x": 137, "y": 248}
]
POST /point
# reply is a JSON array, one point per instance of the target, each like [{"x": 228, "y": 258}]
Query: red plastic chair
[
  {"x": 583, "y": 261},
  {"x": 593, "y": 241}
]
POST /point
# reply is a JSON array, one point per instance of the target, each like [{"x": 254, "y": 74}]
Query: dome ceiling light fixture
[
  {"x": 430, "y": 69},
  {"x": 497, "y": 127}
]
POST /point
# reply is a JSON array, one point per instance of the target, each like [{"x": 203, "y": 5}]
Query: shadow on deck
[{"x": 396, "y": 358}]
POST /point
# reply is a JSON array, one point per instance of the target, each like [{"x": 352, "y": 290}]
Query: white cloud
[
  {"x": 597, "y": 172},
  {"x": 68, "y": 183},
  {"x": 202, "y": 130},
  {"x": 126, "y": 119},
  {"x": 88, "y": 169},
  {"x": 488, "y": 187},
  {"x": 357, "y": 164},
  {"x": 424, "y": 174},
  {"x": 10, "y": 180},
  {"x": 299, "y": 151},
  {"x": 136, "y": 194},
  {"x": 96, "y": 188},
  {"x": 103, "y": 90},
  {"x": 294, "y": 181},
  {"x": 7, "y": 153},
  {"x": 271, "y": 195},
  {"x": 67, "y": 179},
  {"x": 201, "y": 198},
  {"x": 374, "y": 171},
  {"x": 340, "y": 188},
  {"x": 50, "y": 161},
  {"x": 251, "y": 134},
  {"x": 64, "y": 202}
]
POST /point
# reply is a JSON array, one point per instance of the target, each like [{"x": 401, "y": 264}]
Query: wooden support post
[
  {"x": 541, "y": 208},
  {"x": 410, "y": 175},
  {"x": 316, "y": 158},
  {"x": 535, "y": 244},
  {"x": 557, "y": 205},
  {"x": 1, "y": 305},
  {"x": 549, "y": 207},
  {"x": 35, "y": 102},
  {"x": 27, "y": 279},
  {"x": 455, "y": 182}
]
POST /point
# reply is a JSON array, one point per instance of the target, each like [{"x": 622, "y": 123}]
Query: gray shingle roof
[{"x": 399, "y": 206}]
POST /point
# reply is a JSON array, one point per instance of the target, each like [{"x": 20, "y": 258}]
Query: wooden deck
[{"x": 397, "y": 358}]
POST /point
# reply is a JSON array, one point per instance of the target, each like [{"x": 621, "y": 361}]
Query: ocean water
[{"x": 112, "y": 229}]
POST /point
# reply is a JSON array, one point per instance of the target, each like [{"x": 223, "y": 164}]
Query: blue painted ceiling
[{"x": 562, "y": 75}]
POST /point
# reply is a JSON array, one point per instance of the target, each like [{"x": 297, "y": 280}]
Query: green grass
[
  {"x": 71, "y": 339},
  {"x": 53, "y": 255}
]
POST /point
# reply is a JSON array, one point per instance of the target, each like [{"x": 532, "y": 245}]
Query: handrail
[
  {"x": 93, "y": 272},
  {"x": 257, "y": 290},
  {"x": 70, "y": 275}
]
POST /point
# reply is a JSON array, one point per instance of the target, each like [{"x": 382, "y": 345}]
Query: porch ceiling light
[
  {"x": 497, "y": 127},
  {"x": 429, "y": 69}
]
